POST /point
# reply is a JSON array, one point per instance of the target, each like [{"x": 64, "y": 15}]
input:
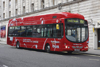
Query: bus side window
[
  {"x": 17, "y": 31},
  {"x": 38, "y": 31},
  {"x": 49, "y": 30},
  {"x": 10, "y": 32},
  {"x": 45, "y": 31},
  {"x": 34, "y": 34},
  {"x": 54, "y": 30},
  {"x": 23, "y": 31},
  {"x": 29, "y": 31},
  {"x": 42, "y": 30},
  {"x": 59, "y": 31}
]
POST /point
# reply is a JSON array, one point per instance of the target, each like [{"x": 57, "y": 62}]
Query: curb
[
  {"x": 3, "y": 43},
  {"x": 89, "y": 53}
]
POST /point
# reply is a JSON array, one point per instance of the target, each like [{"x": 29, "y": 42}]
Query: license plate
[{"x": 76, "y": 49}]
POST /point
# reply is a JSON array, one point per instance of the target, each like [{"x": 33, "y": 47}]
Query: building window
[
  {"x": 23, "y": 9},
  {"x": 3, "y": 5},
  {"x": 23, "y": 1},
  {"x": 3, "y": 15},
  {"x": 42, "y": 3},
  {"x": 53, "y": 2},
  {"x": 32, "y": 7},
  {"x": 9, "y": 3},
  {"x": 16, "y": 2},
  {"x": 16, "y": 12},
  {"x": 9, "y": 13}
]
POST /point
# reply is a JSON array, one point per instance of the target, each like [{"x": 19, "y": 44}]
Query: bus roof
[{"x": 47, "y": 17}]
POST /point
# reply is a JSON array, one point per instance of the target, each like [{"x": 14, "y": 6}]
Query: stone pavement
[
  {"x": 90, "y": 51},
  {"x": 3, "y": 42}
]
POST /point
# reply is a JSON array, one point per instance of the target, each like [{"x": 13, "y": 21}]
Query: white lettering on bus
[
  {"x": 77, "y": 44},
  {"x": 35, "y": 41},
  {"x": 55, "y": 46},
  {"x": 27, "y": 40},
  {"x": 55, "y": 42},
  {"x": 11, "y": 38}
]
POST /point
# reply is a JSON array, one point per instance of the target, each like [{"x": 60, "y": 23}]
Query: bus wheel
[
  {"x": 18, "y": 45},
  {"x": 47, "y": 48}
]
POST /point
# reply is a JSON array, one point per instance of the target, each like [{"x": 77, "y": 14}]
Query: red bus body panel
[{"x": 56, "y": 44}]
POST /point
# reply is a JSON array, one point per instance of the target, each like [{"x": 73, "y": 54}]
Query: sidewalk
[
  {"x": 90, "y": 51},
  {"x": 3, "y": 42}
]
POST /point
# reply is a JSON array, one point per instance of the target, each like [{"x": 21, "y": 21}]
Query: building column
[
  {"x": 50, "y": 2},
  {"x": 12, "y": 8},
  {"x": 6, "y": 9},
  {"x": 30, "y": 2},
  {"x": 95, "y": 39},
  {"x": 19, "y": 7},
  {"x": 39, "y": 4},
  {"x": 46, "y": 3},
  {"x": 36, "y": 4}
]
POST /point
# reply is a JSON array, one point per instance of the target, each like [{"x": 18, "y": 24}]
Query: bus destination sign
[{"x": 75, "y": 21}]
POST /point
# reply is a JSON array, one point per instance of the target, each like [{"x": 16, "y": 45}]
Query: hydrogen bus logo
[{"x": 42, "y": 20}]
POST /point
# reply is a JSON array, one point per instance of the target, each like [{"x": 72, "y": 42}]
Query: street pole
[{"x": 0, "y": 31}]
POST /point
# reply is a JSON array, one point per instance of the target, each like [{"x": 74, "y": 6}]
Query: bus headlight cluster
[
  {"x": 86, "y": 47},
  {"x": 67, "y": 47}
]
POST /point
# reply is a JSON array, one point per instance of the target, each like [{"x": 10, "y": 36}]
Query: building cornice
[{"x": 44, "y": 9}]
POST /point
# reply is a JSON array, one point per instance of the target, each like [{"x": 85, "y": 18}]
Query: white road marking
[
  {"x": 91, "y": 55},
  {"x": 88, "y": 54},
  {"x": 75, "y": 57},
  {"x": 95, "y": 59},
  {"x": 5, "y": 66}
]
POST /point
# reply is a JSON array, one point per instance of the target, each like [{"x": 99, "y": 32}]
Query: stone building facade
[{"x": 24, "y": 8}]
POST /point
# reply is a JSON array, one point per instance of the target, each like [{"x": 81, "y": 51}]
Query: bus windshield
[{"x": 76, "y": 30}]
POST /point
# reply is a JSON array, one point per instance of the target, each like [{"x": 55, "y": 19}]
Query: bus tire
[
  {"x": 17, "y": 45},
  {"x": 47, "y": 48}
]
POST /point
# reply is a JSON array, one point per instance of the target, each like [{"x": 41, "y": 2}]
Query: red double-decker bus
[{"x": 52, "y": 32}]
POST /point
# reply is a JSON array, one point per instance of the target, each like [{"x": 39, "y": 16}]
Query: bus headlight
[
  {"x": 86, "y": 47},
  {"x": 67, "y": 47}
]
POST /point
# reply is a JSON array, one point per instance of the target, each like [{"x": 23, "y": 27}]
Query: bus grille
[{"x": 77, "y": 47}]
